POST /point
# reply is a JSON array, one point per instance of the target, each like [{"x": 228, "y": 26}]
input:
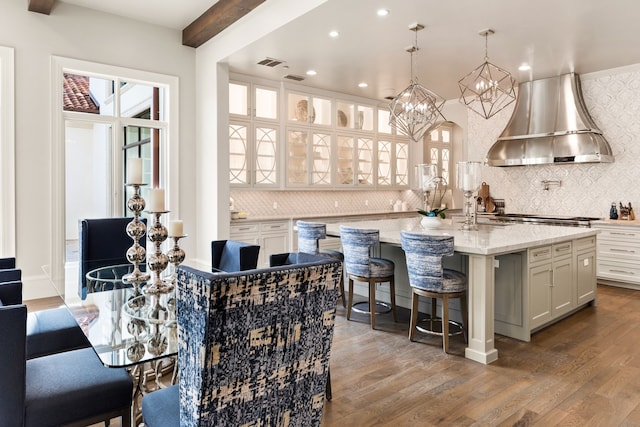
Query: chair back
[
  {"x": 254, "y": 346},
  {"x": 308, "y": 235},
  {"x": 424, "y": 253},
  {"x": 357, "y": 245},
  {"x": 13, "y": 324},
  {"x": 232, "y": 255},
  {"x": 103, "y": 242},
  {"x": 9, "y": 262}
]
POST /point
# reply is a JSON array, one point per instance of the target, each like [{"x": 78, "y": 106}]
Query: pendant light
[
  {"x": 487, "y": 89},
  {"x": 416, "y": 110}
]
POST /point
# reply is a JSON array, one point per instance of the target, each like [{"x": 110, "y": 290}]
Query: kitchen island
[{"x": 541, "y": 274}]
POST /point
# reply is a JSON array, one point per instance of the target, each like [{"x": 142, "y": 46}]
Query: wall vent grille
[{"x": 294, "y": 77}]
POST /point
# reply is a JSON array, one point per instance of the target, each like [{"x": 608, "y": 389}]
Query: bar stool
[
  {"x": 428, "y": 279},
  {"x": 309, "y": 234},
  {"x": 357, "y": 245}
]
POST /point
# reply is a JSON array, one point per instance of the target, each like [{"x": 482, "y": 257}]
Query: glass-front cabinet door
[
  {"x": 298, "y": 109},
  {"x": 401, "y": 163},
  {"x": 297, "y": 157},
  {"x": 365, "y": 161},
  {"x": 253, "y": 134},
  {"x": 384, "y": 163},
  {"x": 344, "y": 160},
  {"x": 321, "y": 170}
]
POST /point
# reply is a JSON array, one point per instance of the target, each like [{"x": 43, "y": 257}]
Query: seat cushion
[
  {"x": 52, "y": 331},
  {"x": 381, "y": 267},
  {"x": 452, "y": 281},
  {"x": 162, "y": 407},
  {"x": 73, "y": 386}
]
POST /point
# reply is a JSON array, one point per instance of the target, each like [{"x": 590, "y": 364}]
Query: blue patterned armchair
[{"x": 253, "y": 347}]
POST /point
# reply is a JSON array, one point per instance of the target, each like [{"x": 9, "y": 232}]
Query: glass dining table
[{"x": 126, "y": 328}]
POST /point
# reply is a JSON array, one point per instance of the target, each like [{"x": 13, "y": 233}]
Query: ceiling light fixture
[
  {"x": 416, "y": 110},
  {"x": 312, "y": 73},
  {"x": 383, "y": 12},
  {"x": 487, "y": 89},
  {"x": 524, "y": 67},
  {"x": 333, "y": 33},
  {"x": 363, "y": 84}
]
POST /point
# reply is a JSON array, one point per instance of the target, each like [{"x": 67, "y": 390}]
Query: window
[
  {"x": 7, "y": 156},
  {"x": 103, "y": 116}
]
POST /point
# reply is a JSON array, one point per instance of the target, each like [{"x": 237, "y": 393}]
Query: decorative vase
[{"x": 431, "y": 222}]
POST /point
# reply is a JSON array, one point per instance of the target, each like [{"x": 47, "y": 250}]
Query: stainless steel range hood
[{"x": 550, "y": 124}]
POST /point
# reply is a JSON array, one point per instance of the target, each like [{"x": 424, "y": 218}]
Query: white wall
[{"x": 80, "y": 33}]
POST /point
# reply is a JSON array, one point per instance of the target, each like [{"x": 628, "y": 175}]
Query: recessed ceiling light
[
  {"x": 382, "y": 12},
  {"x": 524, "y": 67},
  {"x": 311, "y": 73},
  {"x": 333, "y": 33},
  {"x": 363, "y": 84}
]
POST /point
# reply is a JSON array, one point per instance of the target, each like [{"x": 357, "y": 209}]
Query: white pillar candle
[
  {"x": 156, "y": 200},
  {"x": 466, "y": 182},
  {"x": 176, "y": 228},
  {"x": 134, "y": 171}
]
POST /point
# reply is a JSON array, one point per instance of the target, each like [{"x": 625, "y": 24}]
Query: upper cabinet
[
  {"x": 285, "y": 138},
  {"x": 254, "y": 129}
]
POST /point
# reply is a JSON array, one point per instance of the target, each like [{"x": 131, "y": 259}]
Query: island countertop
[{"x": 487, "y": 239}]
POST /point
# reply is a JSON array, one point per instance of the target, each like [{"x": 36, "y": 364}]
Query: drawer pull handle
[
  {"x": 623, "y": 234},
  {"x": 622, "y": 250},
  {"x": 244, "y": 228},
  {"x": 562, "y": 249},
  {"x": 541, "y": 253},
  {"x": 622, "y": 271}
]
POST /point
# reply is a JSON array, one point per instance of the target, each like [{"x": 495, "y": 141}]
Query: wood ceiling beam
[
  {"x": 213, "y": 21},
  {"x": 41, "y": 6}
]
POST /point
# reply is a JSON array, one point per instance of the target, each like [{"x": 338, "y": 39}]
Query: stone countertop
[
  {"x": 485, "y": 240},
  {"x": 618, "y": 222},
  {"x": 346, "y": 215}
]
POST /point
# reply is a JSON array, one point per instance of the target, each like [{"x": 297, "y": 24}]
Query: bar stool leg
[
  {"x": 350, "y": 303},
  {"x": 445, "y": 323},
  {"x": 392, "y": 292},
  {"x": 372, "y": 302},
  {"x": 414, "y": 315}
]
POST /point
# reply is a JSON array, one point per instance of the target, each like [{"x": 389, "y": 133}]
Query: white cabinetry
[
  {"x": 272, "y": 236},
  {"x": 619, "y": 254}
]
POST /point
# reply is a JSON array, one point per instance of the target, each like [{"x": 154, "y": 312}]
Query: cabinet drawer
[
  {"x": 585, "y": 244},
  {"x": 619, "y": 251},
  {"x": 267, "y": 227},
  {"x": 540, "y": 254},
  {"x": 620, "y": 234},
  {"x": 561, "y": 250},
  {"x": 243, "y": 228},
  {"x": 619, "y": 271}
]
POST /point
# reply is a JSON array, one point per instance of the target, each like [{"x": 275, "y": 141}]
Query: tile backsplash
[{"x": 612, "y": 98}]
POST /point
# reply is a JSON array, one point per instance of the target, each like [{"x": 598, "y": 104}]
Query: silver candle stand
[{"x": 136, "y": 254}]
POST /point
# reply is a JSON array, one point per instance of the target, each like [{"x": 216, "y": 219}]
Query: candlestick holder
[
  {"x": 468, "y": 181},
  {"x": 158, "y": 261},
  {"x": 136, "y": 229}
]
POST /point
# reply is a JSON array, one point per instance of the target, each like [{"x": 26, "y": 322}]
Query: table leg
[{"x": 480, "y": 275}]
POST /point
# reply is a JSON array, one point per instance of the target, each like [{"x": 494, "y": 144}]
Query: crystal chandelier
[
  {"x": 487, "y": 89},
  {"x": 416, "y": 110}
]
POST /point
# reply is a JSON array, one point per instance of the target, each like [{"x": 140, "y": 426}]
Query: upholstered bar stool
[
  {"x": 357, "y": 244},
  {"x": 309, "y": 234},
  {"x": 428, "y": 279}
]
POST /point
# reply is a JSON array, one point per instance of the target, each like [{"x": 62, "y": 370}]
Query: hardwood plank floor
[{"x": 583, "y": 371}]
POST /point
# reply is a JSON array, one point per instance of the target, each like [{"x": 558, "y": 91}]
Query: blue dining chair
[
  {"x": 358, "y": 245},
  {"x": 232, "y": 255},
  {"x": 428, "y": 278},
  {"x": 309, "y": 235}
]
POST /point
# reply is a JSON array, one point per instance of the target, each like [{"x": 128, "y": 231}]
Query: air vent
[
  {"x": 270, "y": 62},
  {"x": 389, "y": 98},
  {"x": 294, "y": 77}
]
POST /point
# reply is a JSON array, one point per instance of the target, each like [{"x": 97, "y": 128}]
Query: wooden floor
[{"x": 582, "y": 371}]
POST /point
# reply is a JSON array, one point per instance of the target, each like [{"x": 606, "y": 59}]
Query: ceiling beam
[
  {"x": 219, "y": 16},
  {"x": 41, "y": 6}
]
